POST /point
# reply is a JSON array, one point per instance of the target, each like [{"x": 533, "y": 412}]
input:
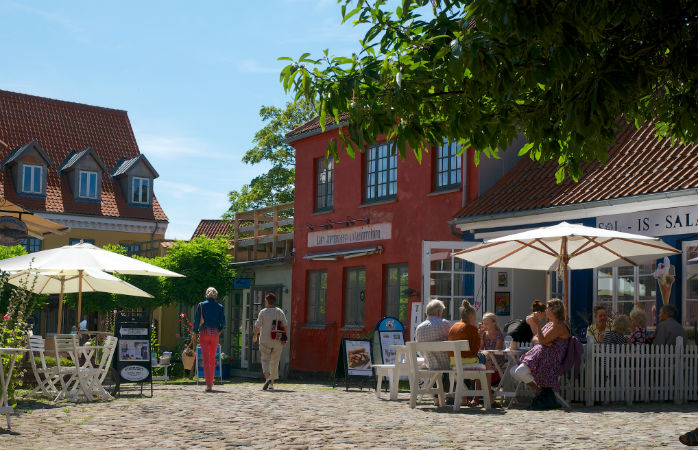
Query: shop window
[
  {"x": 354, "y": 296},
  {"x": 620, "y": 288},
  {"x": 689, "y": 311},
  {"x": 32, "y": 182},
  {"x": 317, "y": 294},
  {"x": 448, "y": 166},
  {"x": 396, "y": 300},
  {"x": 450, "y": 279},
  {"x": 324, "y": 184},
  {"x": 381, "y": 173},
  {"x": 32, "y": 245}
]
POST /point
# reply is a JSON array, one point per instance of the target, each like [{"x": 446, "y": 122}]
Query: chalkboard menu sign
[{"x": 132, "y": 359}]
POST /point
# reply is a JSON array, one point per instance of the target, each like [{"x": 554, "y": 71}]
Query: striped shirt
[
  {"x": 612, "y": 337},
  {"x": 432, "y": 330}
]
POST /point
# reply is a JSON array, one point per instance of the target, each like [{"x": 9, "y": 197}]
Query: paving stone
[{"x": 311, "y": 416}]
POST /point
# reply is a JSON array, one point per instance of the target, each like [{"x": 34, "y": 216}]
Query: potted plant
[{"x": 227, "y": 362}]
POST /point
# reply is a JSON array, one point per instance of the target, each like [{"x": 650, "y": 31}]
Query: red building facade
[{"x": 359, "y": 228}]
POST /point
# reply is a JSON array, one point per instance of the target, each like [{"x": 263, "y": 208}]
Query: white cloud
[
  {"x": 180, "y": 190},
  {"x": 175, "y": 146}
]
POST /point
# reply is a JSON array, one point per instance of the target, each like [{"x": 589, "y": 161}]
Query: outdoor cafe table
[
  {"x": 5, "y": 408},
  {"x": 507, "y": 384}
]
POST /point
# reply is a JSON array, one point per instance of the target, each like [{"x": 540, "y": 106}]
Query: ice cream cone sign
[{"x": 665, "y": 278}]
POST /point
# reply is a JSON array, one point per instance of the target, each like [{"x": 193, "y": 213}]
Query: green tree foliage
[
  {"x": 561, "y": 72},
  {"x": 205, "y": 262},
  {"x": 277, "y": 184}
]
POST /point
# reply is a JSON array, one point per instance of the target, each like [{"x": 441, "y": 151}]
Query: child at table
[{"x": 492, "y": 338}]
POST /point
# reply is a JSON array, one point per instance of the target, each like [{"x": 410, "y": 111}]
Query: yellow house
[{"x": 79, "y": 166}]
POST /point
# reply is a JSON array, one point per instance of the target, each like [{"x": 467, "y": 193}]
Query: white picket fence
[{"x": 634, "y": 373}]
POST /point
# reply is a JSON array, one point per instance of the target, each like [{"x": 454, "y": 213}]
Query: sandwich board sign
[{"x": 133, "y": 361}]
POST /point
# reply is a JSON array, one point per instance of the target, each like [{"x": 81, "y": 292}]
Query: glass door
[
  {"x": 255, "y": 303},
  {"x": 690, "y": 284}
]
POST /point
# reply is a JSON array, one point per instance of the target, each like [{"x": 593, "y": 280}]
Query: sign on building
[
  {"x": 353, "y": 235},
  {"x": 656, "y": 222}
]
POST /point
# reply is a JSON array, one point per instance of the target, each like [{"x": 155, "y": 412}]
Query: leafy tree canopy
[
  {"x": 277, "y": 185},
  {"x": 561, "y": 72}
]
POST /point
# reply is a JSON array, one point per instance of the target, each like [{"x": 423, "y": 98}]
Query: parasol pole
[
  {"x": 80, "y": 272},
  {"x": 60, "y": 304},
  {"x": 565, "y": 259}
]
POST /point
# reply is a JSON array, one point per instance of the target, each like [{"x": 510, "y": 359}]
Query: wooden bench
[
  {"x": 392, "y": 372},
  {"x": 433, "y": 382}
]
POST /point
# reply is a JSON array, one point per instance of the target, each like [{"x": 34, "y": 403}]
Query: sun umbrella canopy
[
  {"x": 92, "y": 281},
  {"x": 72, "y": 258},
  {"x": 576, "y": 246}
]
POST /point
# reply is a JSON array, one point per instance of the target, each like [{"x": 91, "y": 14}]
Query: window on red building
[
  {"x": 354, "y": 296},
  {"x": 324, "y": 184},
  {"x": 317, "y": 292},
  {"x": 395, "y": 297},
  {"x": 448, "y": 166},
  {"x": 381, "y": 173}
]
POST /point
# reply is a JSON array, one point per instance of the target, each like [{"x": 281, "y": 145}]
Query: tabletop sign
[
  {"x": 390, "y": 332},
  {"x": 132, "y": 358},
  {"x": 354, "y": 361},
  {"x": 12, "y": 231}
]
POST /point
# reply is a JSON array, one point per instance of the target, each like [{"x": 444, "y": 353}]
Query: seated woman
[
  {"x": 523, "y": 332},
  {"x": 638, "y": 323},
  {"x": 539, "y": 367},
  {"x": 621, "y": 327},
  {"x": 492, "y": 338},
  {"x": 466, "y": 330},
  {"x": 598, "y": 328}
]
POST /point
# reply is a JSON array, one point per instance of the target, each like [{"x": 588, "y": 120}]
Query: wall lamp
[{"x": 411, "y": 292}]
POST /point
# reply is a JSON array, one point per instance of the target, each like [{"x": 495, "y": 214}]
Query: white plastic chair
[{"x": 46, "y": 376}]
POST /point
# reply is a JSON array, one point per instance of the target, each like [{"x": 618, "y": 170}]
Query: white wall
[{"x": 523, "y": 286}]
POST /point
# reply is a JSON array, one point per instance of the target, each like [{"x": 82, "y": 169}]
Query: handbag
[
  {"x": 277, "y": 329},
  {"x": 188, "y": 355}
]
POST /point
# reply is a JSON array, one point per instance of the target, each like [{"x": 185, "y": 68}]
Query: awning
[
  {"x": 346, "y": 254},
  {"x": 37, "y": 227}
]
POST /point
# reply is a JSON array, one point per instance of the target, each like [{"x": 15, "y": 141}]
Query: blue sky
[{"x": 192, "y": 76}]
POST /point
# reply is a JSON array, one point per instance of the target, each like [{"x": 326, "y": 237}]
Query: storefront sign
[
  {"x": 657, "y": 222},
  {"x": 12, "y": 231},
  {"x": 366, "y": 233},
  {"x": 390, "y": 333}
]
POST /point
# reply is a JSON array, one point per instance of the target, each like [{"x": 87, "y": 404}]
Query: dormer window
[
  {"x": 88, "y": 184},
  {"x": 32, "y": 181},
  {"x": 141, "y": 190}
]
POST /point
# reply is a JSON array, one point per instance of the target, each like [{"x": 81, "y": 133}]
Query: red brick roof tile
[
  {"x": 212, "y": 228},
  {"x": 313, "y": 125},
  {"x": 639, "y": 164},
  {"x": 61, "y": 127}
]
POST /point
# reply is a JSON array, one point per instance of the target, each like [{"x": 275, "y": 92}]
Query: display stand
[
  {"x": 354, "y": 363},
  {"x": 133, "y": 362}
]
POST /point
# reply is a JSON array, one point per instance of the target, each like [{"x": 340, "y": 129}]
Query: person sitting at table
[
  {"x": 621, "y": 327},
  {"x": 435, "y": 328},
  {"x": 598, "y": 328},
  {"x": 492, "y": 338},
  {"x": 638, "y": 323},
  {"x": 668, "y": 328},
  {"x": 540, "y": 366},
  {"x": 523, "y": 332},
  {"x": 465, "y": 330}
]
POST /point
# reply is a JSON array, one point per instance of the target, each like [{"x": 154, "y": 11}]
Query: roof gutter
[
  {"x": 622, "y": 205},
  {"x": 314, "y": 132}
]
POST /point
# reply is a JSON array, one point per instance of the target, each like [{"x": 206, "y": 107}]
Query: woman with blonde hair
[
  {"x": 616, "y": 335},
  {"x": 540, "y": 366},
  {"x": 638, "y": 322},
  {"x": 208, "y": 324},
  {"x": 492, "y": 338}
]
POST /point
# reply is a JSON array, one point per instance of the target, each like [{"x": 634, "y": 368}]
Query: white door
[{"x": 448, "y": 278}]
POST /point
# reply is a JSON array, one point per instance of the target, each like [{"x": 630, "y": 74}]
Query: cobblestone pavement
[{"x": 307, "y": 416}]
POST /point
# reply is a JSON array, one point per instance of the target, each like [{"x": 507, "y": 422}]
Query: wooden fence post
[
  {"x": 679, "y": 387},
  {"x": 589, "y": 369}
]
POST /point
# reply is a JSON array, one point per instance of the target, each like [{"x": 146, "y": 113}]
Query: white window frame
[
  {"x": 453, "y": 246},
  {"x": 91, "y": 177},
  {"x": 684, "y": 281},
  {"x": 32, "y": 174},
  {"x": 140, "y": 183},
  {"x": 614, "y": 288}
]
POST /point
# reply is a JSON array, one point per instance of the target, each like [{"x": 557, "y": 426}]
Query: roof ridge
[{"x": 67, "y": 102}]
